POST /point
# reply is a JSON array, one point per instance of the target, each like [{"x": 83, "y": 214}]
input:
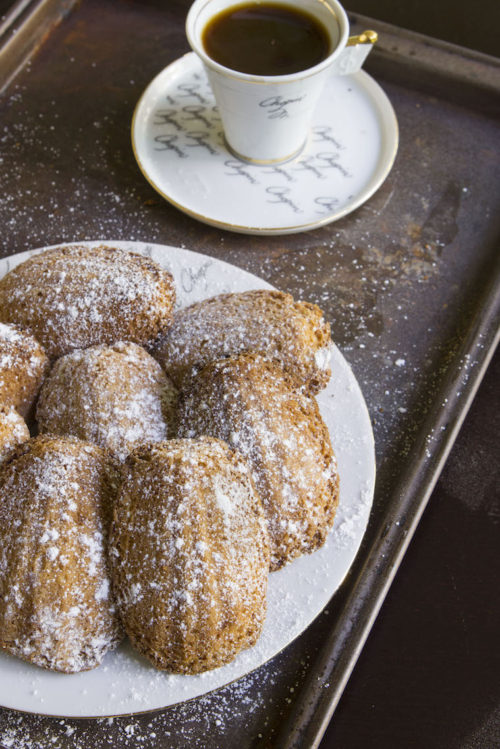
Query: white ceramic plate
[
  {"x": 179, "y": 146},
  {"x": 125, "y": 682}
]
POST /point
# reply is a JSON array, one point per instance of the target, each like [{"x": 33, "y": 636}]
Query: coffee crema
[{"x": 266, "y": 39}]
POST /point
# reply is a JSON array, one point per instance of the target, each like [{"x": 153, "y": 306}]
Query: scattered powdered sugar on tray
[
  {"x": 242, "y": 708},
  {"x": 366, "y": 269}
]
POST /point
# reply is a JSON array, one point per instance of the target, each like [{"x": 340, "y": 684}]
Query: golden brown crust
[
  {"x": 13, "y": 430},
  {"x": 250, "y": 403},
  {"x": 116, "y": 396},
  {"x": 261, "y": 321},
  {"x": 23, "y": 367},
  {"x": 77, "y": 296},
  {"x": 190, "y": 509},
  {"x": 55, "y": 505}
]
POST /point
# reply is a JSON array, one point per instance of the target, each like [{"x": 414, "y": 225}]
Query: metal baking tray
[{"x": 409, "y": 282}]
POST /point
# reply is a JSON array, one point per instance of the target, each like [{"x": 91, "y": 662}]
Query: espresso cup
[{"x": 266, "y": 118}]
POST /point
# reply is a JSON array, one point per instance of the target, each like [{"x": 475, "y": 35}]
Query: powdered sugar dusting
[
  {"x": 23, "y": 365},
  {"x": 322, "y": 357},
  {"x": 51, "y": 571},
  {"x": 252, "y": 404},
  {"x": 116, "y": 396},
  {"x": 190, "y": 508},
  {"x": 70, "y": 297},
  {"x": 226, "y": 501},
  {"x": 13, "y": 430},
  {"x": 268, "y": 322}
]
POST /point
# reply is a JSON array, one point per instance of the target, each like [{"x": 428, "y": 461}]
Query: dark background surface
[
  {"x": 428, "y": 676},
  {"x": 472, "y": 25}
]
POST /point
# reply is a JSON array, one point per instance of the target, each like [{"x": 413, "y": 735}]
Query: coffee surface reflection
[{"x": 266, "y": 39}]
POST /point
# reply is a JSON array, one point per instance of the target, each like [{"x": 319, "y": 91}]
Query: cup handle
[
  {"x": 355, "y": 53},
  {"x": 367, "y": 37}
]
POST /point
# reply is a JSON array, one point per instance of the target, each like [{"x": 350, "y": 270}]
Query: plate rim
[{"x": 144, "y": 247}]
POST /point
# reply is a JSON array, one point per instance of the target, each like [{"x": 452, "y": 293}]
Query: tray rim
[{"x": 306, "y": 725}]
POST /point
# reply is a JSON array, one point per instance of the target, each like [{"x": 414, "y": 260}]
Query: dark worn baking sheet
[{"x": 409, "y": 283}]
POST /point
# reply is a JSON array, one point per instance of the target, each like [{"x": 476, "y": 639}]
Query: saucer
[{"x": 179, "y": 145}]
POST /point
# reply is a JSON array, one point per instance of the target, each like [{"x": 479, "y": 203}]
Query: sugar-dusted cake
[
  {"x": 77, "y": 296},
  {"x": 13, "y": 430},
  {"x": 268, "y": 322},
  {"x": 23, "y": 366},
  {"x": 189, "y": 554},
  {"x": 251, "y": 403},
  {"x": 56, "y": 609},
  {"x": 117, "y": 396}
]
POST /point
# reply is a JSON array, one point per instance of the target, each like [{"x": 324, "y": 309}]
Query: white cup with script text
[{"x": 266, "y": 119}]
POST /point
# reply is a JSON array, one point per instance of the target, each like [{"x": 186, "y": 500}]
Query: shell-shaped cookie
[
  {"x": 13, "y": 430},
  {"x": 117, "y": 396},
  {"x": 189, "y": 555},
  {"x": 262, "y": 321},
  {"x": 56, "y": 609},
  {"x": 250, "y": 403},
  {"x": 78, "y": 296},
  {"x": 23, "y": 366}
]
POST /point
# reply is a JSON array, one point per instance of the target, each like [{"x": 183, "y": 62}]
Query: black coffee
[{"x": 266, "y": 39}]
